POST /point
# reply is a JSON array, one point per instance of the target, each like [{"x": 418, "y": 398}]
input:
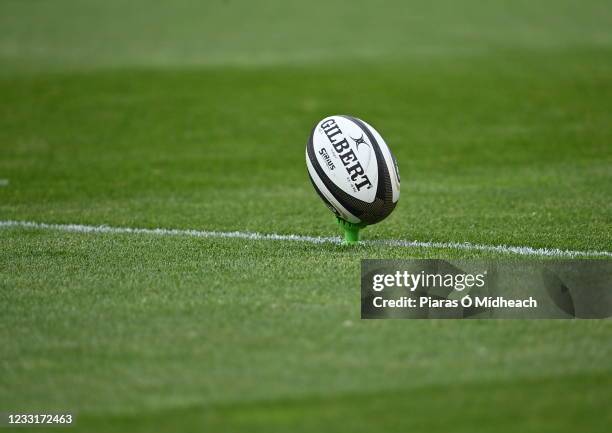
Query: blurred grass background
[{"x": 69, "y": 34}]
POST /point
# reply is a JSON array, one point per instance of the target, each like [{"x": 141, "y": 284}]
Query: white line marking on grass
[
  {"x": 523, "y": 251},
  {"x": 4, "y": 182}
]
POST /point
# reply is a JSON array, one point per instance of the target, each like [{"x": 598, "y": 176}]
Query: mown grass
[
  {"x": 494, "y": 150},
  {"x": 134, "y": 331}
]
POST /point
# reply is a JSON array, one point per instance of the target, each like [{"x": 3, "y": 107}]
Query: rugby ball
[{"x": 352, "y": 169}]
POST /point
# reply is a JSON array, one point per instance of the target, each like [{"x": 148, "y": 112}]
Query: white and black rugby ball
[{"x": 352, "y": 169}]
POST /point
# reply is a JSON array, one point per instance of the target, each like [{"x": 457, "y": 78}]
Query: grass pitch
[{"x": 196, "y": 116}]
